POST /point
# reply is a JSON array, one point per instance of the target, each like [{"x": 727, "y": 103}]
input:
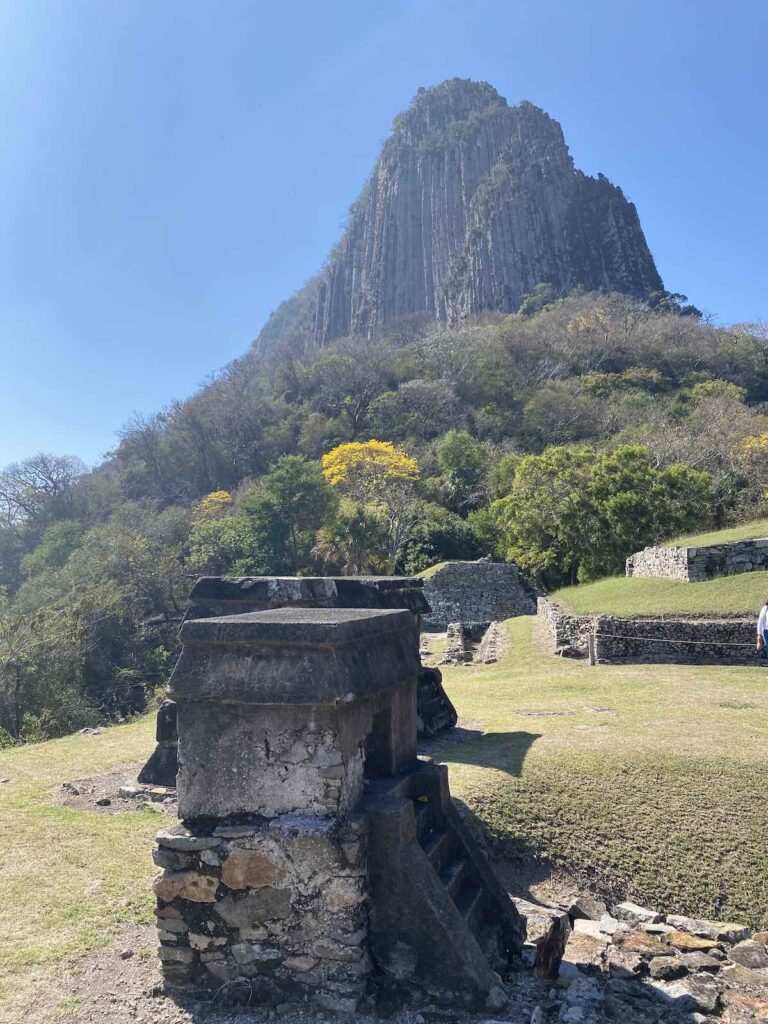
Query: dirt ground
[
  {"x": 102, "y": 793},
  {"x": 121, "y": 984}
]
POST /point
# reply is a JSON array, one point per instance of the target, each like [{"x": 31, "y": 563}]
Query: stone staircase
[{"x": 447, "y": 920}]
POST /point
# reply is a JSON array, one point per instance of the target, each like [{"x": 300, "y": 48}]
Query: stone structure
[
  {"x": 225, "y": 596},
  {"x": 569, "y": 633},
  {"x": 679, "y": 641},
  {"x": 319, "y": 860},
  {"x": 493, "y": 645},
  {"x": 675, "y": 641},
  {"x": 697, "y": 564},
  {"x": 461, "y": 639},
  {"x": 477, "y": 592},
  {"x": 471, "y": 204}
]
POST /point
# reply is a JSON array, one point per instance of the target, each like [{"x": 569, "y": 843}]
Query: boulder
[
  {"x": 750, "y": 954},
  {"x": 634, "y": 914}
]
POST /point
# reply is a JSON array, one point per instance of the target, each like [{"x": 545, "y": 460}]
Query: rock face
[{"x": 471, "y": 204}]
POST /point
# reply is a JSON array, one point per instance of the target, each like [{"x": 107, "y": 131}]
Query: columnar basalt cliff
[{"x": 471, "y": 204}]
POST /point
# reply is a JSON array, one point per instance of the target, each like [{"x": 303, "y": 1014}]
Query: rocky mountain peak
[{"x": 471, "y": 204}]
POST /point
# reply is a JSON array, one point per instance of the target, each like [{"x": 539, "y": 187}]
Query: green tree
[
  {"x": 57, "y": 544},
  {"x": 354, "y": 543},
  {"x": 576, "y": 514},
  {"x": 462, "y": 460}
]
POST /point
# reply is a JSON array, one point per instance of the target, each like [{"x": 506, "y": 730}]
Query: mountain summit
[{"x": 471, "y": 204}]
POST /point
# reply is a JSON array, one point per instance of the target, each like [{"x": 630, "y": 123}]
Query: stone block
[
  {"x": 185, "y": 885},
  {"x": 252, "y": 869}
]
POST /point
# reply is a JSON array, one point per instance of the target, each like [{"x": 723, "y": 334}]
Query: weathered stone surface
[
  {"x": 185, "y": 885},
  {"x": 581, "y": 951},
  {"x": 729, "y": 932},
  {"x": 701, "y": 962},
  {"x": 635, "y": 914},
  {"x": 266, "y": 904},
  {"x": 251, "y": 869},
  {"x": 696, "y": 564},
  {"x": 569, "y": 633},
  {"x": 180, "y": 839},
  {"x": 696, "y": 992},
  {"x": 609, "y": 925},
  {"x": 667, "y": 968},
  {"x": 678, "y": 641},
  {"x": 470, "y": 205},
  {"x": 244, "y": 684},
  {"x": 473, "y": 592},
  {"x": 688, "y": 943},
  {"x": 315, "y": 656},
  {"x": 638, "y": 941},
  {"x": 548, "y": 930},
  {"x": 749, "y": 954},
  {"x": 583, "y": 926},
  {"x": 494, "y": 645},
  {"x": 589, "y": 906}
]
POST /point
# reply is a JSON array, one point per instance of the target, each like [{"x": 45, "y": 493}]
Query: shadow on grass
[{"x": 505, "y": 751}]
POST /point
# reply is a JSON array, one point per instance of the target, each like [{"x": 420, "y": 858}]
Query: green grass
[
  {"x": 68, "y": 879},
  {"x": 741, "y": 596},
  {"x": 759, "y": 528},
  {"x": 426, "y": 573},
  {"x": 651, "y": 780},
  {"x": 648, "y": 779}
]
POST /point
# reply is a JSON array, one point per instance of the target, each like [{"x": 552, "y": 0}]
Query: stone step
[
  {"x": 425, "y": 821},
  {"x": 453, "y": 875},
  {"x": 469, "y": 901},
  {"x": 437, "y": 846}
]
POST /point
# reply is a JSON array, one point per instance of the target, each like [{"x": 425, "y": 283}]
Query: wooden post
[{"x": 591, "y": 647}]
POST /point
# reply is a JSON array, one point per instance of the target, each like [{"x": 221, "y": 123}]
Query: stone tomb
[
  {"x": 319, "y": 860},
  {"x": 217, "y": 596}
]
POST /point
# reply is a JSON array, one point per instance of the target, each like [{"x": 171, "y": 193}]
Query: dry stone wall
[
  {"x": 264, "y": 911},
  {"x": 569, "y": 632},
  {"x": 477, "y": 592},
  {"x": 675, "y": 641},
  {"x": 697, "y": 564}
]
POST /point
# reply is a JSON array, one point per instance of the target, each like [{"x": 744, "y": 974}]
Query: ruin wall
[
  {"x": 477, "y": 592},
  {"x": 569, "y": 632},
  {"x": 697, "y": 564},
  {"x": 675, "y": 641}
]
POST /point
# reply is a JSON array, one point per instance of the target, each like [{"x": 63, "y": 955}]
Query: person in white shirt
[{"x": 762, "y": 630}]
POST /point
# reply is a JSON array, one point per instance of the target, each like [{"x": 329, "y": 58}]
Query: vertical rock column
[{"x": 263, "y": 896}]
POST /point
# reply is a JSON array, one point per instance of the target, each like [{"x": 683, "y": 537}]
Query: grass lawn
[
  {"x": 425, "y": 574},
  {"x": 68, "y": 878},
  {"x": 742, "y": 595},
  {"x": 649, "y": 779},
  {"x": 759, "y": 528}
]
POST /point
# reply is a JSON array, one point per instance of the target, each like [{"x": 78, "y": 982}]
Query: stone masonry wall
[
  {"x": 569, "y": 632},
  {"x": 675, "y": 641},
  {"x": 257, "y": 912},
  {"x": 477, "y": 592},
  {"x": 696, "y": 564}
]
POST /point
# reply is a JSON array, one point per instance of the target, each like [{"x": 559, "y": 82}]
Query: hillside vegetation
[
  {"x": 636, "y": 777},
  {"x": 740, "y": 596},
  {"x": 564, "y": 437}
]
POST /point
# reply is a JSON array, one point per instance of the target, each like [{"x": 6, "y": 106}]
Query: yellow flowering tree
[
  {"x": 213, "y": 506},
  {"x": 381, "y": 478}
]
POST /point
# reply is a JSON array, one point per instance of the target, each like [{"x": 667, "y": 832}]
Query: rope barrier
[{"x": 668, "y": 640}]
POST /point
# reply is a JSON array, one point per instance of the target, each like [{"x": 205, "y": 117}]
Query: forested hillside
[{"x": 563, "y": 436}]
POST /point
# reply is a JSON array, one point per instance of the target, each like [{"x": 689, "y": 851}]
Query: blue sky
[{"x": 170, "y": 171}]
